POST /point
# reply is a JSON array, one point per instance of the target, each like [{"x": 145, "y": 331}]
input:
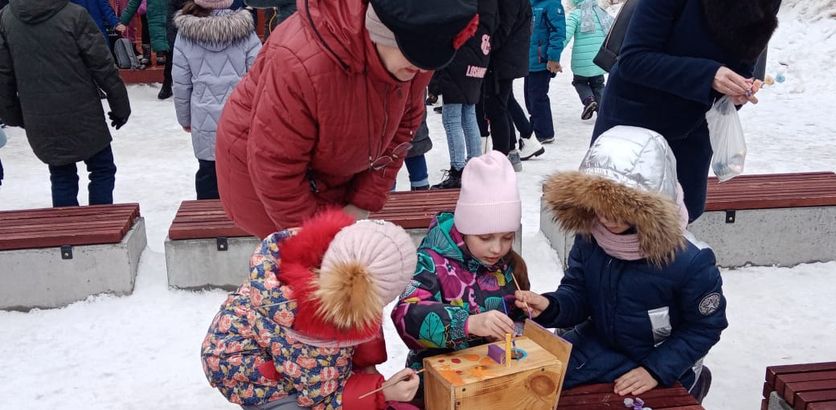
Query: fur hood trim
[
  {"x": 219, "y": 27},
  {"x": 341, "y": 308},
  {"x": 742, "y": 27},
  {"x": 575, "y": 197}
]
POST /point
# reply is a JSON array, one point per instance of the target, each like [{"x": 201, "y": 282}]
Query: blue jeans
[
  {"x": 589, "y": 87},
  {"x": 538, "y": 105},
  {"x": 417, "y": 168},
  {"x": 102, "y": 171},
  {"x": 462, "y": 133},
  {"x": 206, "y": 180}
]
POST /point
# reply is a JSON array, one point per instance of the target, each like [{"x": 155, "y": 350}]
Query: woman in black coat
[{"x": 678, "y": 57}]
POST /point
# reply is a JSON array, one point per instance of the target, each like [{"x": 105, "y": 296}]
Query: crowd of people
[{"x": 301, "y": 137}]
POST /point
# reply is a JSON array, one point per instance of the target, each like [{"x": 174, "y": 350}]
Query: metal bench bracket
[
  {"x": 222, "y": 244},
  {"x": 731, "y": 216},
  {"x": 66, "y": 252}
]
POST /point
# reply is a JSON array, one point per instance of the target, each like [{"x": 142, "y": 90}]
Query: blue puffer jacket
[
  {"x": 548, "y": 33},
  {"x": 662, "y": 307},
  {"x": 101, "y": 12},
  {"x": 634, "y": 305}
]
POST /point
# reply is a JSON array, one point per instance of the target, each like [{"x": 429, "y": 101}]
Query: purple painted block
[{"x": 496, "y": 353}]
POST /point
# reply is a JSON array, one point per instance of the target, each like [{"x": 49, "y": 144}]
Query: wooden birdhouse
[{"x": 481, "y": 378}]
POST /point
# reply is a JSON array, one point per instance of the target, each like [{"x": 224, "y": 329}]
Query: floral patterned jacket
[
  {"x": 449, "y": 285},
  {"x": 250, "y": 332}
]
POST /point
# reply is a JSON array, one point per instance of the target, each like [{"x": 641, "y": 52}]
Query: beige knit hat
[{"x": 366, "y": 266}]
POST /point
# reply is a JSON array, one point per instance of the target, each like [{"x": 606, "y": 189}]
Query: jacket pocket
[{"x": 660, "y": 322}]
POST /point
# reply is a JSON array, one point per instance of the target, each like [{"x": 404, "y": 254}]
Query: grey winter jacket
[
  {"x": 211, "y": 55},
  {"x": 53, "y": 60}
]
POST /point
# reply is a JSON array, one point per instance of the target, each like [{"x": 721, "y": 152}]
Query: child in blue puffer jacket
[
  {"x": 588, "y": 24},
  {"x": 643, "y": 301},
  {"x": 548, "y": 34}
]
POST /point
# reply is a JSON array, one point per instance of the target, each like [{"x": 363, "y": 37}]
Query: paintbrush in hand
[{"x": 389, "y": 384}]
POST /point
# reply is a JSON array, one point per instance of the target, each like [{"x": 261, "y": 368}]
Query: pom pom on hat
[
  {"x": 367, "y": 265},
  {"x": 489, "y": 201}
]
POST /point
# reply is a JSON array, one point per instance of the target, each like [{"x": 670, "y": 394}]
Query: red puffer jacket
[{"x": 301, "y": 129}]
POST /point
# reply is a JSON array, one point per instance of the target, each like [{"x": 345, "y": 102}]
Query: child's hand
[
  {"x": 536, "y": 303},
  {"x": 635, "y": 382},
  {"x": 405, "y": 387},
  {"x": 554, "y": 67},
  {"x": 493, "y": 324}
]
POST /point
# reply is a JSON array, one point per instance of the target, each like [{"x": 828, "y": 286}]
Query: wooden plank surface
[
  {"x": 791, "y": 390},
  {"x": 75, "y": 226},
  {"x": 773, "y": 371},
  {"x": 782, "y": 380},
  {"x": 767, "y": 191},
  {"x": 199, "y": 219},
  {"x": 804, "y": 399},
  {"x": 601, "y": 396}
]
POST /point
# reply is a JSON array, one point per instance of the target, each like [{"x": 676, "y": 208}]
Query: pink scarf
[{"x": 626, "y": 247}]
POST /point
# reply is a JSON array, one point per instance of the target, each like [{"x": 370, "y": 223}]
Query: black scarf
[{"x": 742, "y": 27}]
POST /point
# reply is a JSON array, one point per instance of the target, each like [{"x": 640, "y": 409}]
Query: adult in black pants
[{"x": 509, "y": 60}]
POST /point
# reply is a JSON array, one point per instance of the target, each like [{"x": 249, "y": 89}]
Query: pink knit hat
[
  {"x": 214, "y": 4},
  {"x": 366, "y": 266},
  {"x": 489, "y": 201}
]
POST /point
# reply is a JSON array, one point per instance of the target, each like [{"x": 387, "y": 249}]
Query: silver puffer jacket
[{"x": 635, "y": 157}]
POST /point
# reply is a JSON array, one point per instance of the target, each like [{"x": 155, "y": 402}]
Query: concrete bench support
[{"x": 43, "y": 278}]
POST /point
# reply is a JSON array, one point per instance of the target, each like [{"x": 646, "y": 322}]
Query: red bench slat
[
  {"x": 601, "y": 396},
  {"x": 74, "y": 226},
  {"x": 805, "y": 399},
  {"x": 803, "y": 386},
  {"x": 767, "y": 191},
  {"x": 200, "y": 219}
]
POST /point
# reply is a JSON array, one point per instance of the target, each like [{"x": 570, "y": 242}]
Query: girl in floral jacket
[
  {"x": 462, "y": 292},
  {"x": 304, "y": 329}
]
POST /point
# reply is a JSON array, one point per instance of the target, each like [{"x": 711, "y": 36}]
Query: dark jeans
[
  {"x": 417, "y": 168},
  {"x": 169, "y": 64},
  {"x": 538, "y": 105},
  {"x": 1, "y": 172},
  {"x": 102, "y": 172},
  {"x": 497, "y": 93},
  {"x": 206, "y": 180},
  {"x": 589, "y": 88}
]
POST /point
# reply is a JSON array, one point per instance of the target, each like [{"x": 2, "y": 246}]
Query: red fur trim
[
  {"x": 300, "y": 256},
  {"x": 466, "y": 33}
]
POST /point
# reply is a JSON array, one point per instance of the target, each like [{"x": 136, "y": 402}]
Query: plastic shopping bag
[{"x": 727, "y": 139}]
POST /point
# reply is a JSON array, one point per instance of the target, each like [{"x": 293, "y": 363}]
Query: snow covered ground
[{"x": 142, "y": 351}]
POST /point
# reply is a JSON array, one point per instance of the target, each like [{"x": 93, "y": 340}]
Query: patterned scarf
[
  {"x": 589, "y": 12},
  {"x": 627, "y": 247}
]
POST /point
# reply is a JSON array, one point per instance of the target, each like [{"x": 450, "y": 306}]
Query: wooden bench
[
  {"x": 800, "y": 387},
  {"x": 601, "y": 397},
  {"x": 765, "y": 219},
  {"x": 205, "y": 249},
  {"x": 150, "y": 74},
  {"x": 55, "y": 256}
]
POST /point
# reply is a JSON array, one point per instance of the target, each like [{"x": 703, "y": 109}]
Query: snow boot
[
  {"x": 529, "y": 148},
  {"x": 590, "y": 106},
  {"x": 452, "y": 180}
]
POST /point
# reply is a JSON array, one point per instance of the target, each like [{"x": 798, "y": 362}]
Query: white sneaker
[
  {"x": 530, "y": 148},
  {"x": 514, "y": 157}
]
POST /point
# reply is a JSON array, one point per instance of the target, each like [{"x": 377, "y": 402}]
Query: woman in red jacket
[{"x": 327, "y": 112}]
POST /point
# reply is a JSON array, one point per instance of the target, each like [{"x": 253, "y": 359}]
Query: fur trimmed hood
[
  {"x": 742, "y": 27},
  {"x": 220, "y": 27},
  {"x": 629, "y": 174}
]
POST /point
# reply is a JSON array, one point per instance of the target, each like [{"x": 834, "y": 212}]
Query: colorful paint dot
[
  {"x": 441, "y": 360},
  {"x": 457, "y": 361},
  {"x": 458, "y": 372},
  {"x": 471, "y": 357}
]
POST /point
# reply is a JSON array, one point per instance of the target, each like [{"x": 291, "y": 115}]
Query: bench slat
[
  {"x": 773, "y": 371},
  {"x": 601, "y": 396},
  {"x": 767, "y": 191},
  {"x": 824, "y": 405},
  {"x": 782, "y": 380},
  {"x": 792, "y": 389},
  {"x": 73, "y": 226},
  {"x": 804, "y": 399}
]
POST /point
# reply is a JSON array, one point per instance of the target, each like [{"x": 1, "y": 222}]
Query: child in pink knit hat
[
  {"x": 462, "y": 293},
  {"x": 304, "y": 330}
]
